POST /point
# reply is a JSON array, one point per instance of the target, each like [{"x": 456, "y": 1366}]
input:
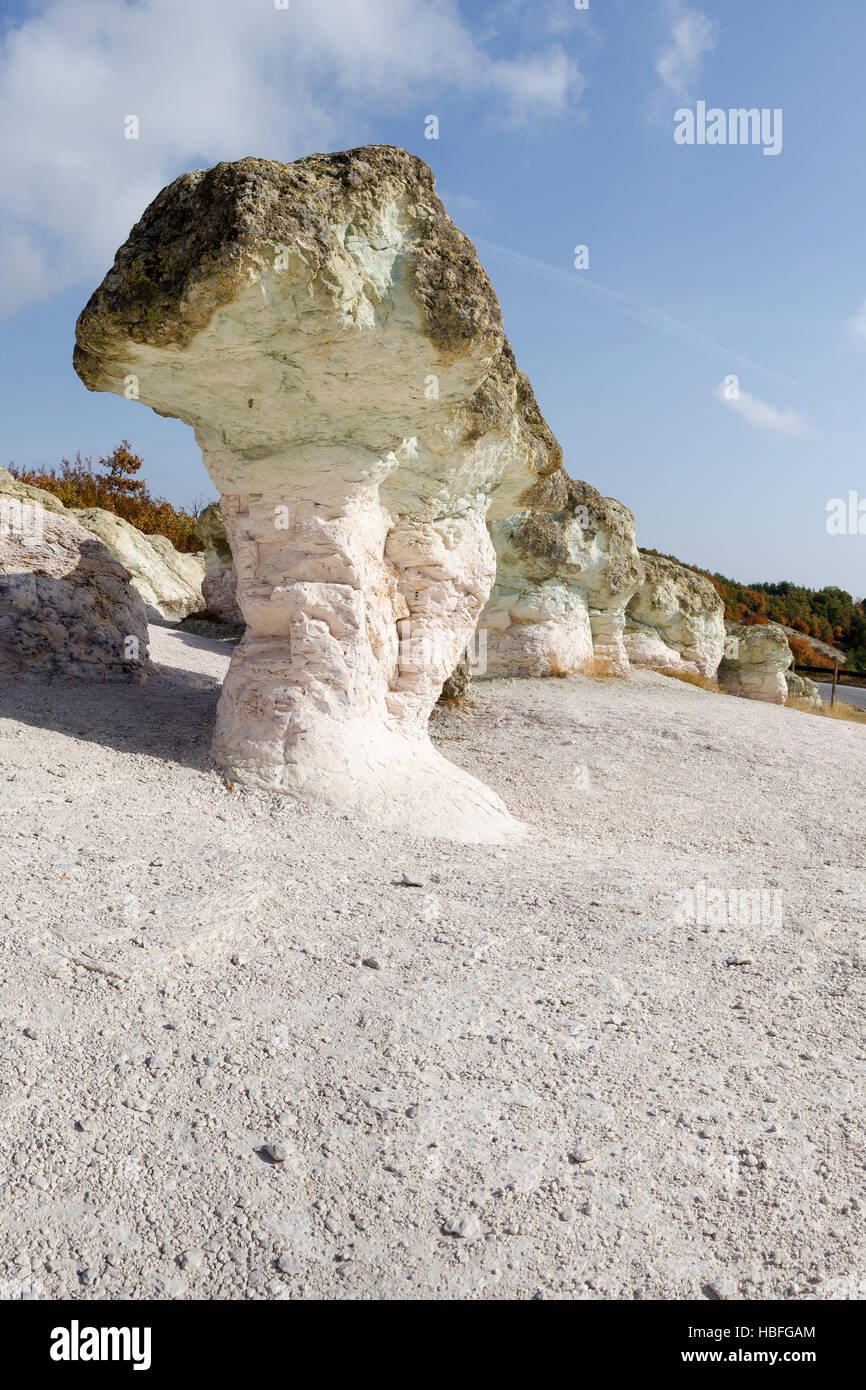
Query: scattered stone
[
  {"x": 464, "y": 1227},
  {"x": 720, "y": 1288},
  {"x": 192, "y": 1259},
  {"x": 276, "y": 1152}
]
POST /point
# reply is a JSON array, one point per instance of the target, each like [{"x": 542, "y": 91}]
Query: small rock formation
[
  {"x": 67, "y": 608},
  {"x": 458, "y": 683},
  {"x": 755, "y": 661},
  {"x": 335, "y": 344},
  {"x": 803, "y": 689},
  {"x": 169, "y": 581},
  {"x": 567, "y": 567},
  {"x": 220, "y": 583},
  {"x": 675, "y": 622}
]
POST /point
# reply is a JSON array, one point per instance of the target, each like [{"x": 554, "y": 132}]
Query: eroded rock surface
[
  {"x": 67, "y": 608},
  {"x": 675, "y": 622},
  {"x": 803, "y": 689},
  {"x": 335, "y": 344},
  {"x": 220, "y": 583},
  {"x": 567, "y": 567},
  {"x": 168, "y": 580},
  {"x": 756, "y": 659}
]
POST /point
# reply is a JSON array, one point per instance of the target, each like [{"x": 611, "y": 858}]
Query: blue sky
[{"x": 555, "y": 129}]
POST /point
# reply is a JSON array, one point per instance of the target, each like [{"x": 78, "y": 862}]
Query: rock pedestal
[
  {"x": 756, "y": 659},
  {"x": 331, "y": 337},
  {"x": 566, "y": 569}
]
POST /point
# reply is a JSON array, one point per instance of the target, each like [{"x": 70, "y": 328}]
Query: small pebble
[
  {"x": 464, "y": 1227},
  {"x": 277, "y": 1153},
  {"x": 192, "y": 1259}
]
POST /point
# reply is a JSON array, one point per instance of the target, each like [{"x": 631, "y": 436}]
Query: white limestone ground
[{"x": 537, "y": 1084}]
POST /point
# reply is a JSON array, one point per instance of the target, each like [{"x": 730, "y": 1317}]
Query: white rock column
[{"x": 338, "y": 350}]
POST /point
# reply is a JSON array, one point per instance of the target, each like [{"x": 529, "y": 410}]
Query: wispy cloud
[
  {"x": 642, "y": 313},
  {"x": 857, "y": 324},
  {"x": 212, "y": 80},
  {"x": 761, "y": 414},
  {"x": 690, "y": 37}
]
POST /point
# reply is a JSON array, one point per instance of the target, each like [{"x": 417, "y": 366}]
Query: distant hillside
[{"x": 829, "y": 615}]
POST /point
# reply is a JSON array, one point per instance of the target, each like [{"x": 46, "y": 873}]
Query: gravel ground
[{"x": 242, "y": 1059}]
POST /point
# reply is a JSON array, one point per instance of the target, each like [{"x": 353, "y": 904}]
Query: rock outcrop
[
  {"x": 335, "y": 344},
  {"x": 67, "y": 608},
  {"x": 566, "y": 568},
  {"x": 675, "y": 622},
  {"x": 802, "y": 689},
  {"x": 756, "y": 659},
  {"x": 169, "y": 581},
  {"x": 220, "y": 583}
]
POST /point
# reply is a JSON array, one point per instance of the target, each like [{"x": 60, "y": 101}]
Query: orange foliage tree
[{"x": 78, "y": 483}]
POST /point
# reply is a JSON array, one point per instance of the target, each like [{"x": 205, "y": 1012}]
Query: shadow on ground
[{"x": 169, "y": 716}]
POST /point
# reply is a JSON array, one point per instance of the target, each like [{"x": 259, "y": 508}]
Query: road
[{"x": 848, "y": 694}]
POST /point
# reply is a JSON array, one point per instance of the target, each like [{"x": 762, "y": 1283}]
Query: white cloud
[
  {"x": 214, "y": 80},
  {"x": 690, "y": 37},
  {"x": 760, "y": 414},
  {"x": 857, "y": 324}
]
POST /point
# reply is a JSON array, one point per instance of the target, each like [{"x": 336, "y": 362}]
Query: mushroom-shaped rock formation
[
  {"x": 220, "y": 584},
  {"x": 567, "y": 566},
  {"x": 339, "y": 352},
  {"x": 676, "y": 620},
  {"x": 756, "y": 658}
]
